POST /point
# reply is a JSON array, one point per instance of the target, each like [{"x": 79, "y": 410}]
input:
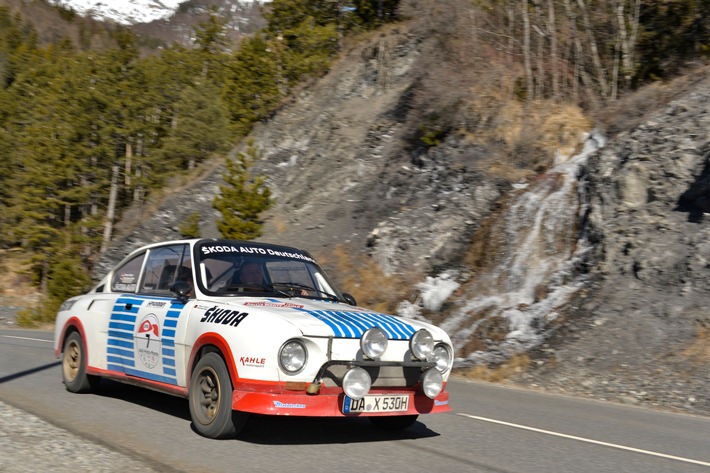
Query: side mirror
[
  {"x": 349, "y": 298},
  {"x": 182, "y": 291}
]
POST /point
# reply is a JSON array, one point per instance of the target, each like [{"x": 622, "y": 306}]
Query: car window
[
  {"x": 125, "y": 278},
  {"x": 289, "y": 272},
  {"x": 164, "y": 266}
]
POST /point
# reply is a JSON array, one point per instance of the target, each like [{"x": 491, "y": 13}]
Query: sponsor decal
[
  {"x": 127, "y": 278},
  {"x": 286, "y": 305},
  {"x": 282, "y": 405},
  {"x": 157, "y": 304},
  {"x": 253, "y": 250},
  {"x": 252, "y": 361},
  {"x": 217, "y": 315},
  {"x": 441, "y": 403},
  {"x": 148, "y": 341}
]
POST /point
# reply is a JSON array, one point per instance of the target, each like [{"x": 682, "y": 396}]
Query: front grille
[{"x": 382, "y": 374}]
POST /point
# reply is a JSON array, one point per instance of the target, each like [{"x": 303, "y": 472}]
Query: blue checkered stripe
[
  {"x": 121, "y": 327},
  {"x": 347, "y": 324},
  {"x": 168, "y": 339},
  {"x": 120, "y": 349}
]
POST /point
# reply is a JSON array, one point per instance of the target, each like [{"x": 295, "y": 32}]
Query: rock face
[
  {"x": 641, "y": 330},
  {"x": 340, "y": 174},
  {"x": 634, "y": 324}
]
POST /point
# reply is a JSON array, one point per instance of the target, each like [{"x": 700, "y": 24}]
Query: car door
[{"x": 149, "y": 319}]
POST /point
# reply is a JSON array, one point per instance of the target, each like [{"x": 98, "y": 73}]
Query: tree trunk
[
  {"x": 552, "y": 31},
  {"x": 129, "y": 164},
  {"x": 615, "y": 70},
  {"x": 580, "y": 74},
  {"x": 138, "y": 189},
  {"x": 110, "y": 213},
  {"x": 601, "y": 75},
  {"x": 628, "y": 41},
  {"x": 511, "y": 28},
  {"x": 67, "y": 215},
  {"x": 541, "y": 39},
  {"x": 526, "y": 53}
]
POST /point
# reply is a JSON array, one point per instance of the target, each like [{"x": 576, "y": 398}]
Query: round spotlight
[
  {"x": 432, "y": 383},
  {"x": 373, "y": 343},
  {"x": 422, "y": 344},
  {"x": 442, "y": 357},
  {"x": 356, "y": 383},
  {"x": 292, "y": 356}
]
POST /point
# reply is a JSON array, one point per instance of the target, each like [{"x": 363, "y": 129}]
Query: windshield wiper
[
  {"x": 271, "y": 288},
  {"x": 299, "y": 289}
]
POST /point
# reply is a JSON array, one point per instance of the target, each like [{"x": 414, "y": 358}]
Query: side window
[
  {"x": 166, "y": 265},
  {"x": 125, "y": 278}
]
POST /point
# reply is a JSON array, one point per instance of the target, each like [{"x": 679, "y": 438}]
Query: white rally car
[{"x": 243, "y": 327}]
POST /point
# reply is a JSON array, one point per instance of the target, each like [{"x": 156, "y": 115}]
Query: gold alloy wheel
[
  {"x": 208, "y": 402},
  {"x": 72, "y": 360}
]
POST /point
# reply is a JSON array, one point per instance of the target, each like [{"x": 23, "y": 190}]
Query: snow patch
[{"x": 126, "y": 12}]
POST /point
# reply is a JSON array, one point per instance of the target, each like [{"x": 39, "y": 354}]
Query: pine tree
[
  {"x": 242, "y": 199},
  {"x": 201, "y": 127},
  {"x": 257, "y": 83}
]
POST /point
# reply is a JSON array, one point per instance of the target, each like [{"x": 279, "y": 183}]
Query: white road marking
[
  {"x": 582, "y": 439},
  {"x": 27, "y": 338}
]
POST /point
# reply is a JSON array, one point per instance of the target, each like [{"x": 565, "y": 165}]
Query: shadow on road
[
  {"x": 280, "y": 430},
  {"x": 165, "y": 403},
  {"x": 28, "y": 372},
  {"x": 271, "y": 430}
]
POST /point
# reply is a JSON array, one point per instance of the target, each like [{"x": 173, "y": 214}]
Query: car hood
[{"x": 332, "y": 319}]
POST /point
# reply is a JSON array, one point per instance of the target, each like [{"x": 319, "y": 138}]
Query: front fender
[{"x": 248, "y": 339}]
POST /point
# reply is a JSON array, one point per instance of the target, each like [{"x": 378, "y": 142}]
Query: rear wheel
[
  {"x": 211, "y": 399},
  {"x": 393, "y": 422},
  {"x": 74, "y": 366}
]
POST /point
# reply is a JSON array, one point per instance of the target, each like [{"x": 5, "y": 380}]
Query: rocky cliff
[
  {"x": 622, "y": 312},
  {"x": 640, "y": 330}
]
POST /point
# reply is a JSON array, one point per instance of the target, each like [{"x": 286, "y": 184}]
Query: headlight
[
  {"x": 66, "y": 305},
  {"x": 422, "y": 344},
  {"x": 442, "y": 357},
  {"x": 356, "y": 383},
  {"x": 373, "y": 343},
  {"x": 432, "y": 383},
  {"x": 292, "y": 356}
]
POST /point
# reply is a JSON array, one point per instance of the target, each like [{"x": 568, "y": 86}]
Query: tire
[
  {"x": 74, "y": 366},
  {"x": 210, "y": 400},
  {"x": 393, "y": 422}
]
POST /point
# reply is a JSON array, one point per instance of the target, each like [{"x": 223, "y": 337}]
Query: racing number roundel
[{"x": 148, "y": 341}]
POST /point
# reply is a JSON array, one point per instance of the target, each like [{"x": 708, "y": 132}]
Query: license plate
[{"x": 378, "y": 403}]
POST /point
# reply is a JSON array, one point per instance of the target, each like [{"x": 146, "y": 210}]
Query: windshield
[{"x": 249, "y": 269}]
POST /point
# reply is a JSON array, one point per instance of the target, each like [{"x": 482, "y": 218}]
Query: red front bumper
[{"x": 328, "y": 404}]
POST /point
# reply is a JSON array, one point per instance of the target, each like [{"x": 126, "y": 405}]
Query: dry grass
[
  {"x": 16, "y": 288},
  {"x": 362, "y": 277},
  {"x": 15, "y": 282},
  {"x": 528, "y": 137},
  {"x": 699, "y": 350},
  {"x": 515, "y": 365},
  {"x": 279, "y": 225}
]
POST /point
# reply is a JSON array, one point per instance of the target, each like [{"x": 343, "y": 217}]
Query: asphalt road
[{"x": 491, "y": 429}]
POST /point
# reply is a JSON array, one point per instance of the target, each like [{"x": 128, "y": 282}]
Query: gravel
[{"x": 27, "y": 443}]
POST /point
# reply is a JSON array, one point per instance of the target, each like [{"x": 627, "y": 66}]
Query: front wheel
[
  {"x": 393, "y": 422},
  {"x": 210, "y": 399},
  {"x": 74, "y": 366}
]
